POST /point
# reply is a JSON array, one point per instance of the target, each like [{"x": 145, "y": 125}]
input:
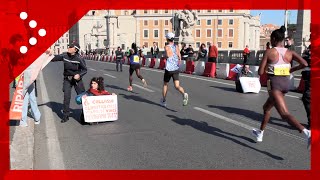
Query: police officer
[
  {"x": 119, "y": 58},
  {"x": 74, "y": 69},
  {"x": 306, "y": 78}
]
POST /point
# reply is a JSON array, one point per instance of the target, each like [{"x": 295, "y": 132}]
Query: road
[{"x": 212, "y": 132}]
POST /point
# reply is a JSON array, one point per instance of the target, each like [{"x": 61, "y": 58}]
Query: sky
[{"x": 275, "y": 16}]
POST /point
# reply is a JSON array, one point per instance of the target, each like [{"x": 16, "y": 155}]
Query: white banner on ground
[
  {"x": 100, "y": 108},
  {"x": 250, "y": 84}
]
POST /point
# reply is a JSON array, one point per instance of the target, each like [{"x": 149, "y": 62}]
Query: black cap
[{"x": 74, "y": 44}]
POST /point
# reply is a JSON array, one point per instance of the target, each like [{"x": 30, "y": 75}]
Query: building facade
[{"x": 228, "y": 29}]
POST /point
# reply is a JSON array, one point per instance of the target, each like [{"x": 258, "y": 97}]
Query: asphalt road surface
[{"x": 212, "y": 132}]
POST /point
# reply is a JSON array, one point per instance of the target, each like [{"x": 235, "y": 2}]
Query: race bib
[
  {"x": 282, "y": 70},
  {"x": 136, "y": 59}
]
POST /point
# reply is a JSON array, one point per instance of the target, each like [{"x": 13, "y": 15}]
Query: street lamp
[{"x": 108, "y": 16}]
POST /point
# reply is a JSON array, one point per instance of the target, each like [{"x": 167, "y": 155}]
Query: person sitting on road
[
  {"x": 245, "y": 72},
  {"x": 96, "y": 89}
]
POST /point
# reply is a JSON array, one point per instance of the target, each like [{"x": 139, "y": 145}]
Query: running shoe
[
  {"x": 258, "y": 134},
  {"x": 309, "y": 139},
  {"x": 163, "y": 103},
  {"x": 185, "y": 99},
  {"x": 129, "y": 88},
  {"x": 144, "y": 82}
]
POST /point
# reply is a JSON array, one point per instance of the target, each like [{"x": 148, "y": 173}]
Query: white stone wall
[
  {"x": 302, "y": 35},
  {"x": 86, "y": 29}
]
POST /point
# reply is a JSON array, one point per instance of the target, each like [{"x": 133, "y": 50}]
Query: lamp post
[{"x": 108, "y": 17}]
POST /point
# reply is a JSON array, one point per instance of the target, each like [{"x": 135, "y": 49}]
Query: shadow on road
[
  {"x": 140, "y": 99},
  {"x": 231, "y": 89},
  {"x": 57, "y": 108},
  {"x": 204, "y": 127},
  {"x": 252, "y": 115},
  {"x": 108, "y": 87}
]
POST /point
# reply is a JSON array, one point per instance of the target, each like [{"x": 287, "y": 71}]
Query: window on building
[
  {"x": 198, "y": 33},
  {"x": 156, "y": 22},
  {"x": 145, "y": 11},
  {"x": 231, "y": 10},
  {"x": 68, "y": 41},
  {"x": 156, "y": 11},
  {"x": 219, "y": 32},
  {"x": 198, "y": 22},
  {"x": 209, "y": 11},
  {"x": 209, "y": 33},
  {"x": 219, "y": 21},
  {"x": 208, "y": 44},
  {"x": 198, "y": 11},
  {"x": 219, "y": 10},
  {"x": 230, "y": 32},
  {"x": 166, "y": 22},
  {"x": 145, "y": 22},
  {"x": 67, "y": 35},
  {"x": 126, "y": 12},
  {"x": 166, "y": 11},
  {"x": 219, "y": 44},
  {"x": 230, "y": 45},
  {"x": 145, "y": 33},
  {"x": 156, "y": 33},
  {"x": 62, "y": 40},
  {"x": 197, "y": 44},
  {"x": 230, "y": 21},
  {"x": 209, "y": 22},
  {"x": 166, "y": 31}
]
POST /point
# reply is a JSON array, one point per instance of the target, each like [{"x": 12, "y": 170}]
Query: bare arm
[
  {"x": 302, "y": 63},
  {"x": 178, "y": 53},
  {"x": 263, "y": 63},
  {"x": 167, "y": 49}
]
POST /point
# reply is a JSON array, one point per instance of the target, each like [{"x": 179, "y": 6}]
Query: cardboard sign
[
  {"x": 100, "y": 108},
  {"x": 250, "y": 84},
  {"x": 17, "y": 101}
]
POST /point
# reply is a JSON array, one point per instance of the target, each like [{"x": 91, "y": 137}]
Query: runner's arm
[
  {"x": 263, "y": 63},
  {"x": 302, "y": 63}
]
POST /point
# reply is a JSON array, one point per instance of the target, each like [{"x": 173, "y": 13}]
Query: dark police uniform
[
  {"x": 73, "y": 64},
  {"x": 307, "y": 90}
]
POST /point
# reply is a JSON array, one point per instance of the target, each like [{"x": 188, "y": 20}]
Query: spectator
[
  {"x": 154, "y": 50},
  {"x": 190, "y": 51},
  {"x": 119, "y": 58},
  {"x": 213, "y": 53},
  {"x": 246, "y": 54},
  {"x": 245, "y": 72},
  {"x": 202, "y": 54},
  {"x": 183, "y": 52},
  {"x": 268, "y": 46},
  {"x": 144, "y": 50}
]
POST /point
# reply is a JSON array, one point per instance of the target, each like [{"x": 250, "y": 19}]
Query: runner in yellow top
[
  {"x": 276, "y": 62},
  {"x": 134, "y": 66}
]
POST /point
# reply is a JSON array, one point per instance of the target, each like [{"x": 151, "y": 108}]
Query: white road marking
[
  {"x": 110, "y": 75},
  {"x": 53, "y": 145},
  {"x": 247, "y": 126},
  {"x": 141, "y": 87},
  {"x": 92, "y": 69}
]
